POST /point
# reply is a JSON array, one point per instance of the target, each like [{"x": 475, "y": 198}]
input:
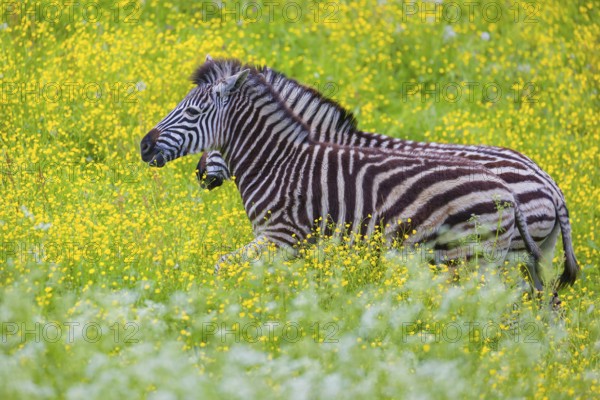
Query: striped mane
[
  {"x": 347, "y": 121},
  {"x": 218, "y": 69}
]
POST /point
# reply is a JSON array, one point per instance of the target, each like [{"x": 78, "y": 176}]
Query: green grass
[{"x": 106, "y": 266}]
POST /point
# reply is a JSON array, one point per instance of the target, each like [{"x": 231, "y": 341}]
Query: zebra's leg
[
  {"x": 548, "y": 247},
  {"x": 532, "y": 269},
  {"x": 543, "y": 255},
  {"x": 530, "y": 283},
  {"x": 494, "y": 253},
  {"x": 530, "y": 263},
  {"x": 490, "y": 247},
  {"x": 534, "y": 252},
  {"x": 252, "y": 250}
]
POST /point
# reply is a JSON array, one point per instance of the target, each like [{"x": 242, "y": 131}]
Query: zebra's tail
[{"x": 571, "y": 269}]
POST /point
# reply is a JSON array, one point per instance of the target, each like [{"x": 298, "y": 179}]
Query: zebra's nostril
[
  {"x": 148, "y": 146},
  {"x": 148, "y": 142}
]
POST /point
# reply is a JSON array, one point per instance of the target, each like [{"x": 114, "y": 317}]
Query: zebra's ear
[
  {"x": 232, "y": 83},
  {"x": 208, "y": 58}
]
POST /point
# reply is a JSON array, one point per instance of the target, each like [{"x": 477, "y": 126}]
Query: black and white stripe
[
  {"x": 542, "y": 202},
  {"x": 291, "y": 185}
]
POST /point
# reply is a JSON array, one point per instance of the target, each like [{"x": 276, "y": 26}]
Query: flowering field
[{"x": 106, "y": 265}]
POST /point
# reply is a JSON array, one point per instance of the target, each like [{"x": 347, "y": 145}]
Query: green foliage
[{"x": 106, "y": 266}]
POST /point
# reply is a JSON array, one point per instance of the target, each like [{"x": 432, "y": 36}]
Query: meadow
[{"x": 106, "y": 265}]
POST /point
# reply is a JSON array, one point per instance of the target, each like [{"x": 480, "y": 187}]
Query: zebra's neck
[{"x": 261, "y": 132}]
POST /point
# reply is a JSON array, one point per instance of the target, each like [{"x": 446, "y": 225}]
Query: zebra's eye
[{"x": 194, "y": 111}]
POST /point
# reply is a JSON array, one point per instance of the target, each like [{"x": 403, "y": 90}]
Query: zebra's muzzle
[
  {"x": 158, "y": 161},
  {"x": 210, "y": 182},
  {"x": 148, "y": 147}
]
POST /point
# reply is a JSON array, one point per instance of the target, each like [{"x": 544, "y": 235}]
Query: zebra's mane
[
  {"x": 346, "y": 120},
  {"x": 218, "y": 69},
  {"x": 215, "y": 70}
]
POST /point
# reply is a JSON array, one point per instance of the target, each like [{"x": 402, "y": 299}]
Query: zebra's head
[
  {"x": 212, "y": 170},
  {"x": 196, "y": 123}
]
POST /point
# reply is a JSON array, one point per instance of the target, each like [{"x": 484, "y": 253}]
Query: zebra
[
  {"x": 542, "y": 201},
  {"x": 290, "y": 185},
  {"x": 212, "y": 170}
]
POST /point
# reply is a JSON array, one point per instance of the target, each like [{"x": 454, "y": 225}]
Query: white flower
[
  {"x": 26, "y": 212},
  {"x": 485, "y": 36},
  {"x": 449, "y": 32},
  {"x": 524, "y": 67},
  {"x": 43, "y": 226}
]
